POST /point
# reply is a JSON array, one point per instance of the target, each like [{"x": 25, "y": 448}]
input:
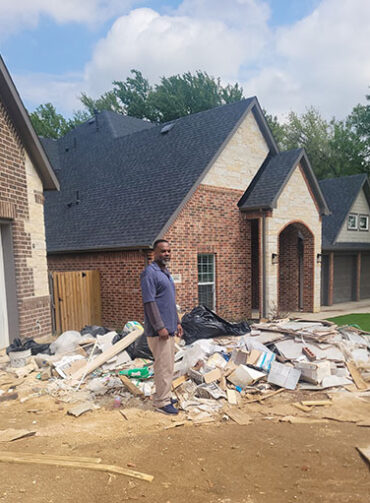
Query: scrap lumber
[
  {"x": 356, "y": 376},
  {"x": 131, "y": 386},
  {"x": 19, "y": 458},
  {"x": 316, "y": 403},
  {"x": 11, "y": 434},
  {"x": 269, "y": 395},
  {"x": 108, "y": 354},
  {"x": 176, "y": 382},
  {"x": 213, "y": 375}
]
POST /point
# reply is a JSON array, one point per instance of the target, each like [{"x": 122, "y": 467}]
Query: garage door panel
[
  {"x": 344, "y": 278},
  {"x": 365, "y": 277}
]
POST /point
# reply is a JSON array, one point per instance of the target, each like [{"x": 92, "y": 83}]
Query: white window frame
[
  {"x": 204, "y": 283},
  {"x": 355, "y": 227},
  {"x": 367, "y": 223}
]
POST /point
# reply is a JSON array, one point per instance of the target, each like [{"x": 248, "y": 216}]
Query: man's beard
[{"x": 164, "y": 261}]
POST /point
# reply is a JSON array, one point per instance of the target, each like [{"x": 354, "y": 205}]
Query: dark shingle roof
[
  {"x": 51, "y": 148},
  {"x": 340, "y": 194},
  {"x": 267, "y": 185},
  {"x": 129, "y": 187}
]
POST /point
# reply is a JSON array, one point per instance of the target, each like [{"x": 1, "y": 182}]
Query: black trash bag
[
  {"x": 138, "y": 349},
  {"x": 94, "y": 330},
  {"x": 202, "y": 323},
  {"x": 28, "y": 343}
]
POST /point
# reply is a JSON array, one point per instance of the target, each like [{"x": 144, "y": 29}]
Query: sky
[{"x": 291, "y": 54}]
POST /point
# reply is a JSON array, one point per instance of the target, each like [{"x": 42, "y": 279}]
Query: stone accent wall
[
  {"x": 295, "y": 204},
  {"x": 241, "y": 158},
  {"x": 18, "y": 180},
  {"x": 119, "y": 281}
]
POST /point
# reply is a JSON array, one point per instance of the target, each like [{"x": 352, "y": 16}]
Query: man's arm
[{"x": 150, "y": 306}]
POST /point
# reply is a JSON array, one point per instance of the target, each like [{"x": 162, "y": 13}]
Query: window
[
  {"x": 206, "y": 280},
  {"x": 352, "y": 222},
  {"x": 363, "y": 223}
]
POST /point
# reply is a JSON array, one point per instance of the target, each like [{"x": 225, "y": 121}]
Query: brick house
[
  {"x": 25, "y": 172},
  {"x": 345, "y": 264},
  {"x": 243, "y": 219}
]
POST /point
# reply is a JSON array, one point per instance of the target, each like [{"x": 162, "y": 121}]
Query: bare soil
[{"x": 264, "y": 461}]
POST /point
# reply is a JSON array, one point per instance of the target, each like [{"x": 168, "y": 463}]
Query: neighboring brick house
[
  {"x": 24, "y": 173},
  {"x": 346, "y": 240},
  {"x": 243, "y": 220}
]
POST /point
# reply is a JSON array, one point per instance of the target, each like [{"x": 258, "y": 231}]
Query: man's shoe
[
  {"x": 168, "y": 409},
  {"x": 174, "y": 401}
]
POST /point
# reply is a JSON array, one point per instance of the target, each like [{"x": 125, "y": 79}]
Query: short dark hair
[{"x": 156, "y": 243}]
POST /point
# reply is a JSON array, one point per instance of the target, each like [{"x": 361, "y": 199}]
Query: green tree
[
  {"x": 49, "y": 123},
  {"x": 173, "y": 97}
]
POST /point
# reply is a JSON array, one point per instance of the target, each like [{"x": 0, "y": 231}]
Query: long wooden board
[
  {"x": 356, "y": 376},
  {"x": 44, "y": 460},
  {"x": 108, "y": 354}
]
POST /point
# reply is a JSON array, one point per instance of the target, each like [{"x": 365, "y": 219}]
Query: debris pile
[{"x": 214, "y": 376}]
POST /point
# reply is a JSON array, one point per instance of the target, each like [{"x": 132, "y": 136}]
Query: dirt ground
[{"x": 264, "y": 461}]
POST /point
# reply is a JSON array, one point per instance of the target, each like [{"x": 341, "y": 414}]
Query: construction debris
[{"x": 213, "y": 376}]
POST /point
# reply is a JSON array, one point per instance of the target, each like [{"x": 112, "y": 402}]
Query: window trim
[
  {"x": 367, "y": 223},
  {"x": 348, "y": 226},
  {"x": 205, "y": 283}
]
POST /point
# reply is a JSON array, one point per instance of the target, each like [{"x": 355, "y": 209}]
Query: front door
[{"x": 4, "y": 327}]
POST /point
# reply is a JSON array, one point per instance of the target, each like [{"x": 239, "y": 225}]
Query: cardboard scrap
[
  {"x": 244, "y": 375},
  {"x": 232, "y": 396},
  {"x": 239, "y": 416},
  {"x": 213, "y": 375},
  {"x": 80, "y": 409},
  {"x": 365, "y": 452},
  {"x": 11, "y": 434},
  {"x": 356, "y": 376}
]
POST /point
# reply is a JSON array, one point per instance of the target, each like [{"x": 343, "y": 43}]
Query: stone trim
[{"x": 39, "y": 197}]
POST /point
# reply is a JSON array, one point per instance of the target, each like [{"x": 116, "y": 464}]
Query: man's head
[{"x": 162, "y": 252}]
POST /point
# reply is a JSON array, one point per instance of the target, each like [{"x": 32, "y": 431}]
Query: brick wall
[
  {"x": 209, "y": 223},
  {"x": 289, "y": 268},
  {"x": 34, "y": 318},
  {"x": 119, "y": 281}
]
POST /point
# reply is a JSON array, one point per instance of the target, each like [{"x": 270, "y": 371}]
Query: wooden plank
[
  {"x": 44, "y": 460},
  {"x": 356, "y": 376},
  {"x": 130, "y": 386},
  {"x": 239, "y": 417},
  {"x": 108, "y": 354},
  {"x": 54, "y": 276},
  {"x": 316, "y": 403},
  {"x": 178, "y": 381},
  {"x": 269, "y": 395}
]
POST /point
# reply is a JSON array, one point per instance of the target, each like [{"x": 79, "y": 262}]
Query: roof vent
[{"x": 167, "y": 128}]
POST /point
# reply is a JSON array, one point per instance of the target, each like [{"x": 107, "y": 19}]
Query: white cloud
[
  {"x": 17, "y": 14},
  {"x": 322, "y": 60},
  {"x": 188, "y": 40}
]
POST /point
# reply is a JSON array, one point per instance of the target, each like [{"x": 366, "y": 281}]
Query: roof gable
[
  {"x": 340, "y": 194},
  {"x": 13, "y": 103},
  {"x": 269, "y": 182},
  {"x": 124, "y": 192}
]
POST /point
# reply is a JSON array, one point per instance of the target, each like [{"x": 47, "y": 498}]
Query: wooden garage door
[
  {"x": 365, "y": 277},
  {"x": 344, "y": 278}
]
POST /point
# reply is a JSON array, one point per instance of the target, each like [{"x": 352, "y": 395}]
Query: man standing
[{"x": 161, "y": 323}]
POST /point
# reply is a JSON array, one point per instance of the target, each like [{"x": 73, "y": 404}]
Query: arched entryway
[{"x": 296, "y": 268}]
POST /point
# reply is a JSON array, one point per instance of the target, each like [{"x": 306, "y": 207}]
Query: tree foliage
[
  {"x": 48, "y": 123},
  {"x": 173, "y": 97}
]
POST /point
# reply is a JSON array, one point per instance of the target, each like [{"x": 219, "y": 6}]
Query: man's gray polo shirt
[{"x": 158, "y": 286}]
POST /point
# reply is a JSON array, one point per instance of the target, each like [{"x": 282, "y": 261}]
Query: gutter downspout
[{"x": 263, "y": 265}]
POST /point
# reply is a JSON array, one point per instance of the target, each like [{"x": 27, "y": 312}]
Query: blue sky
[{"x": 290, "y": 53}]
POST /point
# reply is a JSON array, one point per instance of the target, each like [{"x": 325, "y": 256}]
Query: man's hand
[
  {"x": 163, "y": 333},
  {"x": 180, "y": 331}
]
